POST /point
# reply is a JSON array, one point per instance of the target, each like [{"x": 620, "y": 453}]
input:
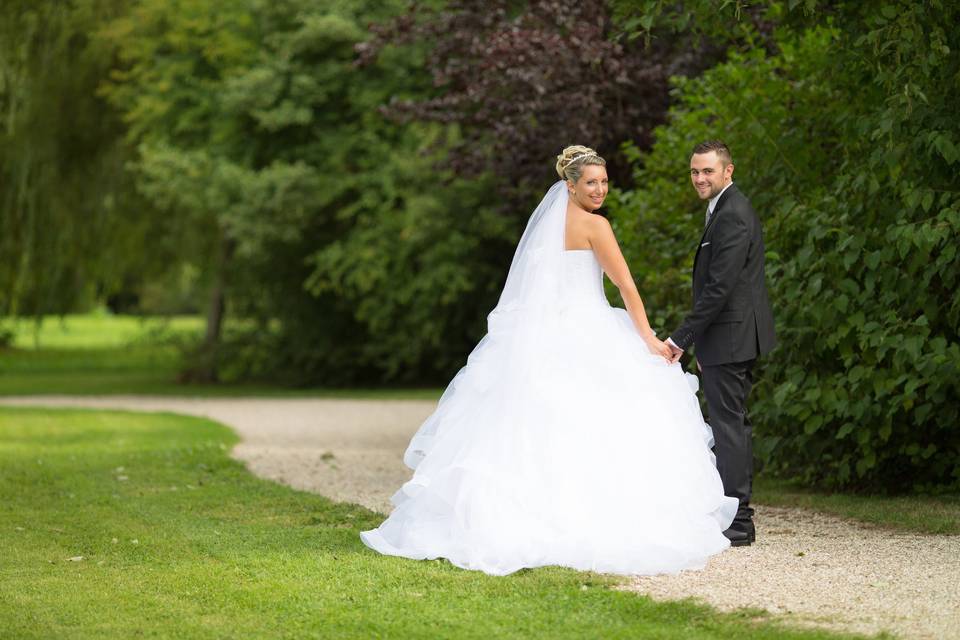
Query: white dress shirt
[{"x": 713, "y": 201}]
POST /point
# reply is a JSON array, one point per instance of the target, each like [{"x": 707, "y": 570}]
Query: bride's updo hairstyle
[{"x": 574, "y": 158}]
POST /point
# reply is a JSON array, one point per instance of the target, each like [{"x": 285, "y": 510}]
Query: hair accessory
[{"x": 580, "y": 157}]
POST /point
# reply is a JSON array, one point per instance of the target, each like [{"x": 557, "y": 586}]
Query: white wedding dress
[{"x": 563, "y": 441}]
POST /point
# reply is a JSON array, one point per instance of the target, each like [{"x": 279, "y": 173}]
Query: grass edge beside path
[
  {"x": 122, "y": 523},
  {"x": 929, "y": 514}
]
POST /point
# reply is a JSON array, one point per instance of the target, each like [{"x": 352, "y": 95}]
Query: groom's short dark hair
[{"x": 723, "y": 151}]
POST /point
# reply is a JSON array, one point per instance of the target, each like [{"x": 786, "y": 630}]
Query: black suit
[{"x": 730, "y": 326}]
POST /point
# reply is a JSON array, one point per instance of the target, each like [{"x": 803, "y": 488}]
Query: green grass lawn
[
  {"x": 100, "y": 330},
  {"x": 102, "y": 354},
  {"x": 120, "y": 525}
]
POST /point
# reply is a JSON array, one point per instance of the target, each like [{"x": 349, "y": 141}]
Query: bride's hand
[{"x": 659, "y": 348}]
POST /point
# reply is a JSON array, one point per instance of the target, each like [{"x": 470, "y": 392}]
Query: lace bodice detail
[{"x": 583, "y": 278}]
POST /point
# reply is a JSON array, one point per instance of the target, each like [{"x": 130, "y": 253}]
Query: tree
[
  {"x": 523, "y": 81},
  {"x": 349, "y": 258},
  {"x": 176, "y": 58},
  {"x": 388, "y": 273},
  {"x": 67, "y": 211}
]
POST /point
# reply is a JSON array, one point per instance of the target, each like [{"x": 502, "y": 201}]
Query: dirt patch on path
[{"x": 806, "y": 567}]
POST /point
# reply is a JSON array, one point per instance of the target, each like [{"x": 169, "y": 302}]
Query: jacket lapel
[{"x": 713, "y": 218}]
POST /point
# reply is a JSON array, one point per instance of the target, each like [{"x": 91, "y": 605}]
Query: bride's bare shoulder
[
  {"x": 599, "y": 224},
  {"x": 579, "y": 229},
  {"x": 585, "y": 229},
  {"x": 585, "y": 219}
]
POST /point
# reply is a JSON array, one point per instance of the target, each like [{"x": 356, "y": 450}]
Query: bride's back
[{"x": 578, "y": 229}]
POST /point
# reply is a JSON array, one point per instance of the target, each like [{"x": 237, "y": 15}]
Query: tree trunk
[
  {"x": 217, "y": 303},
  {"x": 205, "y": 366}
]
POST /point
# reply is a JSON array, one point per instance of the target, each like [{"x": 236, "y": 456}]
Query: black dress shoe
[
  {"x": 737, "y": 537},
  {"x": 746, "y": 526}
]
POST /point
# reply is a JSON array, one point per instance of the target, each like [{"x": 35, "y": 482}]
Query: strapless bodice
[{"x": 583, "y": 278}]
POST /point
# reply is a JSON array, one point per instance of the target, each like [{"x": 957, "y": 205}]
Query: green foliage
[
  {"x": 385, "y": 276},
  {"x": 176, "y": 58},
  {"x": 71, "y": 224},
  {"x": 256, "y": 129},
  {"x": 420, "y": 276},
  {"x": 729, "y": 21},
  {"x": 847, "y": 144}
]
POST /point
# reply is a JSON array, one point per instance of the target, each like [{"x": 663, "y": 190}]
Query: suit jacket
[{"x": 732, "y": 320}]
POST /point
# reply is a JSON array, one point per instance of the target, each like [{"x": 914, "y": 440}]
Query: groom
[{"x": 731, "y": 323}]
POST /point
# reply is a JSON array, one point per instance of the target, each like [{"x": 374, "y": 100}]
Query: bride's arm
[{"x": 608, "y": 253}]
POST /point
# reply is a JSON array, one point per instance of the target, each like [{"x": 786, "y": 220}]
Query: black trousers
[{"x": 726, "y": 387}]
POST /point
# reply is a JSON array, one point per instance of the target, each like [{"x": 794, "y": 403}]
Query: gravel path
[{"x": 806, "y": 568}]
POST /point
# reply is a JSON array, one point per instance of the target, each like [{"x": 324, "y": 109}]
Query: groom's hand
[{"x": 675, "y": 351}]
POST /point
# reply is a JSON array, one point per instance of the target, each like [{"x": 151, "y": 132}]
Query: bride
[{"x": 567, "y": 439}]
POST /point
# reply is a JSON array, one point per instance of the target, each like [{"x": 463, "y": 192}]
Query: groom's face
[{"x": 709, "y": 174}]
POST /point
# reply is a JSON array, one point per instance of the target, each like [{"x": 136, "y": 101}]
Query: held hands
[
  {"x": 659, "y": 348},
  {"x": 675, "y": 353}
]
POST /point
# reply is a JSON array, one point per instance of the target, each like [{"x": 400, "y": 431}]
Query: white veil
[
  {"x": 533, "y": 283},
  {"x": 516, "y": 328}
]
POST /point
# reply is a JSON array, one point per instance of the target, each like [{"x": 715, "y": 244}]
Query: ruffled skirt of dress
[{"x": 567, "y": 445}]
